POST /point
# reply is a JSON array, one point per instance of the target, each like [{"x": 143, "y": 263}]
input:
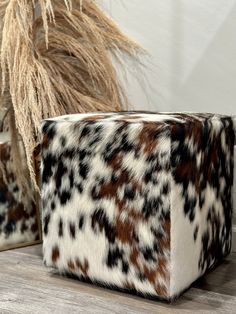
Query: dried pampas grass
[{"x": 56, "y": 58}]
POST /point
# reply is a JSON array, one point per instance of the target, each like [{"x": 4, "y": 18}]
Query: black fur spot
[
  {"x": 99, "y": 218},
  {"x": 79, "y": 188},
  {"x": 49, "y": 129},
  {"x": 148, "y": 176},
  {"x": 48, "y": 164},
  {"x": 148, "y": 254},
  {"x": 65, "y": 197},
  {"x": 110, "y": 152},
  {"x": 83, "y": 170},
  {"x": 69, "y": 153},
  {"x": 201, "y": 200},
  {"x": 82, "y": 154},
  {"x": 3, "y": 193},
  {"x": 98, "y": 129},
  {"x": 126, "y": 146},
  {"x": 166, "y": 189},
  {"x": 158, "y": 249},
  {"x": 114, "y": 178},
  {"x": 152, "y": 206},
  {"x": 85, "y": 131},
  {"x": 61, "y": 170},
  {"x": 95, "y": 140},
  {"x": 53, "y": 206},
  {"x": 189, "y": 208},
  {"x": 72, "y": 230},
  {"x": 46, "y": 221},
  {"x": 114, "y": 255},
  {"x": 2, "y": 218},
  {"x": 142, "y": 277},
  {"x": 95, "y": 193},
  {"x": 151, "y": 158},
  {"x": 129, "y": 193},
  {"x": 125, "y": 267},
  {"x": 71, "y": 178},
  {"x": 63, "y": 141},
  {"x": 10, "y": 227},
  {"x": 195, "y": 233},
  {"x": 60, "y": 228},
  {"x": 81, "y": 222}
]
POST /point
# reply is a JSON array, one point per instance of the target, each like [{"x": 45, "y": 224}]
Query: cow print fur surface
[
  {"x": 137, "y": 200},
  {"x": 18, "y": 216}
]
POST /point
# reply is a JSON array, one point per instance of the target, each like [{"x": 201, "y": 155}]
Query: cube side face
[
  {"x": 18, "y": 217},
  {"x": 106, "y": 202},
  {"x": 201, "y": 199}
]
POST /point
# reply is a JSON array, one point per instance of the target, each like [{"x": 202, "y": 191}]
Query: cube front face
[
  {"x": 106, "y": 202},
  {"x": 124, "y": 203}
]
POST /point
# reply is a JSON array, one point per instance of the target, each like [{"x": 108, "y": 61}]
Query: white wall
[{"x": 192, "y": 46}]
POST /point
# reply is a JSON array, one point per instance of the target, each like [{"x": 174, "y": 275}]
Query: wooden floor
[{"x": 27, "y": 287}]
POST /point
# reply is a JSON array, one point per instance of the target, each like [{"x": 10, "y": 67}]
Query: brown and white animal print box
[
  {"x": 18, "y": 215},
  {"x": 135, "y": 200}
]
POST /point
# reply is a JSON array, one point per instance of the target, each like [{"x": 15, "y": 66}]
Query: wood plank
[
  {"x": 222, "y": 279},
  {"x": 31, "y": 250},
  {"x": 26, "y": 286}
]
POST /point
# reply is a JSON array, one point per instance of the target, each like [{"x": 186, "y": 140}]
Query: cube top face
[
  {"x": 138, "y": 117},
  {"x": 127, "y": 197}
]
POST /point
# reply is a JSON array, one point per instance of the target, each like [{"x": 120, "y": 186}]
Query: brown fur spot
[
  {"x": 116, "y": 162},
  {"x": 83, "y": 267},
  {"x": 162, "y": 268},
  {"x": 196, "y": 133},
  {"x": 136, "y": 216},
  {"x": 45, "y": 141},
  {"x": 161, "y": 290},
  {"x": 125, "y": 231},
  {"x": 148, "y": 136},
  {"x": 94, "y": 117},
  {"x": 109, "y": 190},
  {"x": 165, "y": 241},
  {"x": 129, "y": 285},
  {"x": 71, "y": 265},
  {"x": 17, "y": 213},
  {"x": 186, "y": 169},
  {"x": 134, "y": 256},
  {"x": 154, "y": 274},
  {"x": 55, "y": 254},
  {"x": 37, "y": 160}
]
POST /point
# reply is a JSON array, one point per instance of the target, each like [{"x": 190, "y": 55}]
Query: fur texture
[{"x": 139, "y": 201}]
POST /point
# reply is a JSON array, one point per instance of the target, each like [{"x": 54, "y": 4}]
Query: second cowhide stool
[
  {"x": 137, "y": 201},
  {"x": 19, "y": 217}
]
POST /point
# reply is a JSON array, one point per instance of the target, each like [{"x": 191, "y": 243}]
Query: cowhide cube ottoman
[{"x": 137, "y": 201}]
